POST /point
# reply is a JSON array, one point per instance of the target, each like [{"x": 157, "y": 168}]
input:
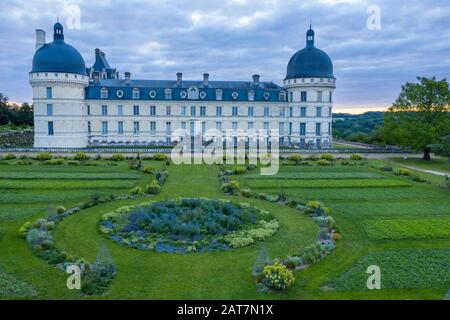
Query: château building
[{"x": 79, "y": 107}]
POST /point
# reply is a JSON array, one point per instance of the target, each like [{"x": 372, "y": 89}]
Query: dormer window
[
  {"x": 282, "y": 96},
  {"x": 193, "y": 93},
  {"x": 168, "y": 94},
  {"x": 104, "y": 93},
  {"x": 219, "y": 94},
  {"x": 136, "y": 93},
  {"x": 234, "y": 95},
  {"x": 266, "y": 95},
  {"x": 251, "y": 95}
]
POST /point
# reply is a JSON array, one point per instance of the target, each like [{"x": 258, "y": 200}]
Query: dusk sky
[{"x": 234, "y": 39}]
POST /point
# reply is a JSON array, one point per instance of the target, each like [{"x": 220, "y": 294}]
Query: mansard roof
[{"x": 155, "y": 90}]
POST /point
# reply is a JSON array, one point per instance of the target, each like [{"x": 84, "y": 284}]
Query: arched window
[
  {"x": 251, "y": 95},
  {"x": 136, "y": 93},
  {"x": 103, "y": 93}
]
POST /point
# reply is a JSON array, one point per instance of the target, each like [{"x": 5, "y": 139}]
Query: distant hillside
[{"x": 358, "y": 127}]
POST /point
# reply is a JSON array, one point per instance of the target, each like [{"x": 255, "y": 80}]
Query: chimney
[
  {"x": 40, "y": 38},
  {"x": 179, "y": 78},
  {"x": 96, "y": 76},
  {"x": 127, "y": 78},
  {"x": 255, "y": 79},
  {"x": 205, "y": 79}
]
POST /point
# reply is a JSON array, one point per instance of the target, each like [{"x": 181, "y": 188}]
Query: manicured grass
[
  {"x": 312, "y": 183},
  {"x": 12, "y": 287},
  {"x": 374, "y": 208},
  {"x": 436, "y": 163},
  {"x": 318, "y": 175},
  {"x": 49, "y": 184},
  {"x": 227, "y": 275},
  {"x": 407, "y": 229},
  {"x": 49, "y": 197},
  {"x": 400, "y": 270},
  {"x": 49, "y": 175}
]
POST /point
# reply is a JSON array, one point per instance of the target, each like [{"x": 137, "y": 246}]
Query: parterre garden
[{"x": 384, "y": 218}]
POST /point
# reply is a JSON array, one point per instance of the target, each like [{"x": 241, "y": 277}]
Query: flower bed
[{"x": 188, "y": 225}]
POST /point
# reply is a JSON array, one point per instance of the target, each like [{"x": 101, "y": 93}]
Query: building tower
[
  {"x": 58, "y": 78},
  {"x": 310, "y": 84}
]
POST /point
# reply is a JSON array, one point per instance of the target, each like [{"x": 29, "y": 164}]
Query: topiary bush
[
  {"x": 43, "y": 156},
  {"x": 153, "y": 187},
  {"x": 296, "y": 157},
  {"x": 149, "y": 169},
  {"x": 323, "y": 162},
  {"x": 160, "y": 157},
  {"x": 9, "y": 156},
  {"x": 137, "y": 191},
  {"x": 404, "y": 172},
  {"x": 356, "y": 157},
  {"x": 239, "y": 170},
  {"x": 81, "y": 156},
  {"x": 231, "y": 187},
  {"x": 292, "y": 262},
  {"x": 54, "y": 162},
  {"x": 117, "y": 157},
  {"x": 326, "y": 156},
  {"x": 23, "y": 230}
]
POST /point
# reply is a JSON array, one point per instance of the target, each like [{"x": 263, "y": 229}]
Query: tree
[
  {"x": 443, "y": 147},
  {"x": 419, "y": 116}
]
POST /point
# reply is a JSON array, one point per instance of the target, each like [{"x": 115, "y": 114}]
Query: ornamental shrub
[
  {"x": 81, "y": 156},
  {"x": 23, "y": 230},
  {"x": 247, "y": 193},
  {"x": 43, "y": 156},
  {"x": 54, "y": 162},
  {"x": 239, "y": 170},
  {"x": 295, "y": 157},
  {"x": 60, "y": 209},
  {"x": 160, "y": 157},
  {"x": 292, "y": 262},
  {"x": 404, "y": 172},
  {"x": 278, "y": 276},
  {"x": 323, "y": 162},
  {"x": 117, "y": 157},
  {"x": 9, "y": 156},
  {"x": 137, "y": 191},
  {"x": 231, "y": 187},
  {"x": 356, "y": 157},
  {"x": 336, "y": 236},
  {"x": 153, "y": 187},
  {"x": 326, "y": 156},
  {"x": 148, "y": 169}
]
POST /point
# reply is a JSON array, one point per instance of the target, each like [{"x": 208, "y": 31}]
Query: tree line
[{"x": 15, "y": 114}]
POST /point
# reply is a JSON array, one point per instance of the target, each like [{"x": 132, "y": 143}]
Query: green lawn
[
  {"x": 436, "y": 163},
  {"x": 393, "y": 221}
]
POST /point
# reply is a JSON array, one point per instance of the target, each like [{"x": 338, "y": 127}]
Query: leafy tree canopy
[{"x": 420, "y": 115}]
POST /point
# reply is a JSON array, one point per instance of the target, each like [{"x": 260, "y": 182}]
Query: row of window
[
  {"x": 201, "y": 111},
  {"x": 183, "y": 125},
  {"x": 304, "y": 96},
  {"x": 191, "y": 93}
]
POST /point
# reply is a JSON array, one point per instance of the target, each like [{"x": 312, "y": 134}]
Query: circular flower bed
[{"x": 188, "y": 225}]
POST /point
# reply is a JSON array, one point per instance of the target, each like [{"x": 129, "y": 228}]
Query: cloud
[{"x": 233, "y": 39}]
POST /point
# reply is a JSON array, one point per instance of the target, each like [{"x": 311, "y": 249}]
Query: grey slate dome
[
  {"x": 310, "y": 62},
  {"x": 58, "y": 56}
]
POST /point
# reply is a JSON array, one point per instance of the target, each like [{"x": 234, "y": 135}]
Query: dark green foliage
[
  {"x": 364, "y": 128},
  {"x": 420, "y": 116}
]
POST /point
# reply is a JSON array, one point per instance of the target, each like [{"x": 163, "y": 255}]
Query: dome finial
[
  {"x": 310, "y": 36},
  {"x": 58, "y": 31}
]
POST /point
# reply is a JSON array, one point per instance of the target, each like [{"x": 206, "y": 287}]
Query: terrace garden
[{"x": 385, "y": 218}]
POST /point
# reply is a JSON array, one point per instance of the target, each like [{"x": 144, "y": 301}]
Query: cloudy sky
[{"x": 233, "y": 39}]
